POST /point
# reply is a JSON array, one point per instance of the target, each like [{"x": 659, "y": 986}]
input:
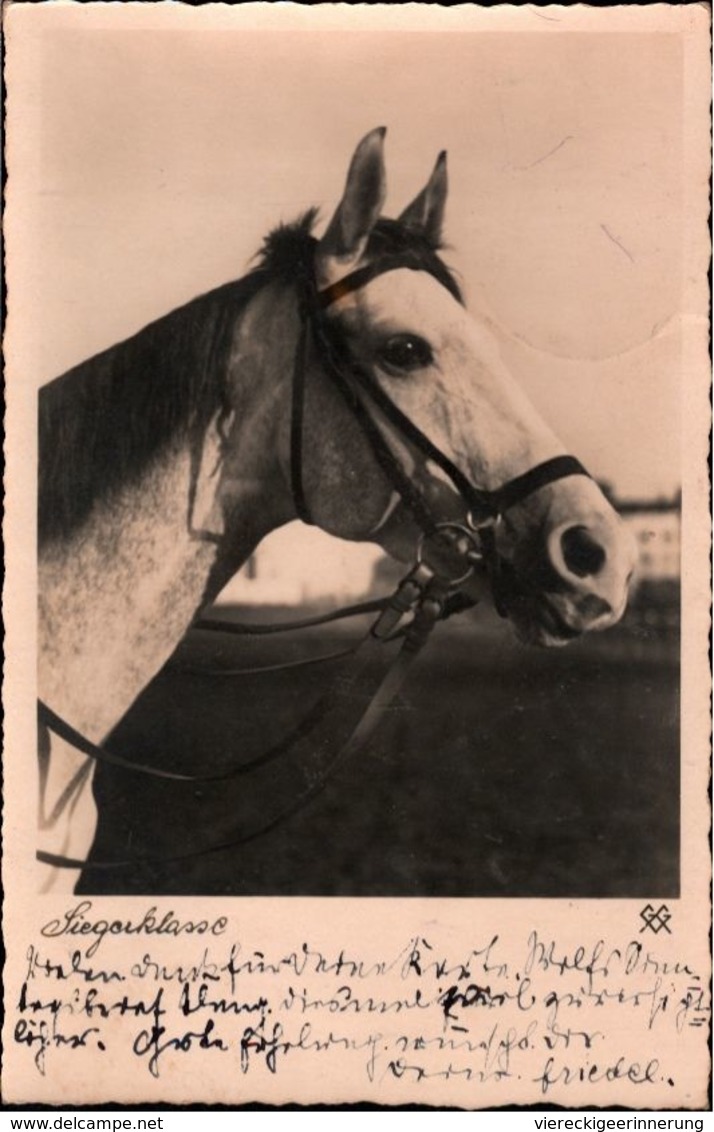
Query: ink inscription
[{"x": 414, "y": 1014}]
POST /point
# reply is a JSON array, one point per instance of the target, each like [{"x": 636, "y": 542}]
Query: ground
[{"x": 500, "y": 771}]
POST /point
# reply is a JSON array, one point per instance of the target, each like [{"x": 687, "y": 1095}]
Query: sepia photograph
[
  {"x": 379, "y": 353},
  {"x": 357, "y": 361}
]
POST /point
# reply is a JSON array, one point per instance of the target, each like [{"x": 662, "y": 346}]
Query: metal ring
[{"x": 462, "y": 530}]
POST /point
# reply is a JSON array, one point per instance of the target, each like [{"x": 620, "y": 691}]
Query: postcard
[{"x": 357, "y": 599}]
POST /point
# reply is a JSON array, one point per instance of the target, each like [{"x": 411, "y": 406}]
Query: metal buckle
[{"x": 473, "y": 555}]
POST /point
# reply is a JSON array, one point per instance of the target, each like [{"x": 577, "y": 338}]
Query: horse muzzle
[{"x": 576, "y": 582}]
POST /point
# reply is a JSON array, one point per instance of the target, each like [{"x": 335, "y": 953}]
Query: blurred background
[{"x": 158, "y": 159}]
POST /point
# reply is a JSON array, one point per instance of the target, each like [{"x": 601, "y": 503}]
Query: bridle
[
  {"x": 446, "y": 557},
  {"x": 351, "y": 379}
]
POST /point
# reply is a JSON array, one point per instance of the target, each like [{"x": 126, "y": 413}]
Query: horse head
[{"x": 389, "y": 356}]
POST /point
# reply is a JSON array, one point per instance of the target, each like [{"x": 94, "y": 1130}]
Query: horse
[{"x": 341, "y": 382}]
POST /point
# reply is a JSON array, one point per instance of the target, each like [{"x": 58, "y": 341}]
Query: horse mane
[{"x": 104, "y": 422}]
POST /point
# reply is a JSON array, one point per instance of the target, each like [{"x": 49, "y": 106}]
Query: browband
[{"x": 363, "y": 275}]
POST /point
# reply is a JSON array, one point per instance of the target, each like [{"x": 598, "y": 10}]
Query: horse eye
[{"x": 404, "y": 353}]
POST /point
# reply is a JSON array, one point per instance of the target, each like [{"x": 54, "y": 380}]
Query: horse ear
[
  {"x": 426, "y": 212},
  {"x": 362, "y": 200}
]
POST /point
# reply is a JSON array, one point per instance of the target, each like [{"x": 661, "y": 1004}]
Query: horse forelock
[{"x": 104, "y": 422}]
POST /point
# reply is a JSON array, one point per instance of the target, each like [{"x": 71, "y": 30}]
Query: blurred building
[
  {"x": 656, "y": 527},
  {"x": 658, "y": 539},
  {"x": 654, "y": 603},
  {"x": 298, "y": 564}
]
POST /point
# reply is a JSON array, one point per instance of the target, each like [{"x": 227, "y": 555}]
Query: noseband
[{"x": 353, "y": 380}]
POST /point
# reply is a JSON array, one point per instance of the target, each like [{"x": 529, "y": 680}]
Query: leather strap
[
  {"x": 315, "y": 329},
  {"x": 518, "y": 489},
  {"x": 363, "y": 275},
  {"x": 260, "y": 629}
]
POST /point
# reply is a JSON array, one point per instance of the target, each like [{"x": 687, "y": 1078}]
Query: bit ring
[{"x": 472, "y": 555}]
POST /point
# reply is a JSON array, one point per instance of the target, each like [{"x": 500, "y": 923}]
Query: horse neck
[{"x": 119, "y": 594}]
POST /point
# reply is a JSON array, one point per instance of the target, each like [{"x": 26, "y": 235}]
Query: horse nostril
[{"x": 582, "y": 553}]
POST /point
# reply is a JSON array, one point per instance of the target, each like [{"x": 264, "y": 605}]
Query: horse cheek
[{"x": 346, "y": 490}]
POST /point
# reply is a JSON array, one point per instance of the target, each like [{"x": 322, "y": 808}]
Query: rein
[
  {"x": 422, "y": 596},
  {"x": 447, "y": 555}
]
